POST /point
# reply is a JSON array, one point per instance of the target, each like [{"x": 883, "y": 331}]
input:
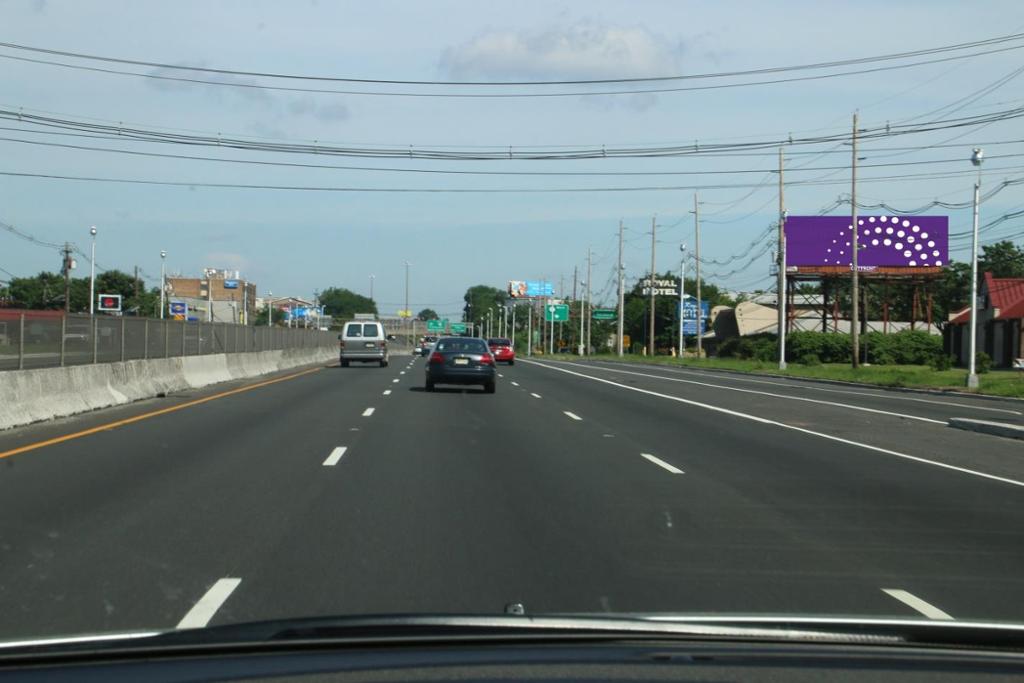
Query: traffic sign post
[
  {"x": 436, "y": 325},
  {"x": 603, "y": 314},
  {"x": 458, "y": 328},
  {"x": 557, "y": 313}
]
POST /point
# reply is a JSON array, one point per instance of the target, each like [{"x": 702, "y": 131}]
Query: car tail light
[
  {"x": 487, "y": 359},
  {"x": 436, "y": 357},
  {"x": 341, "y": 344}
]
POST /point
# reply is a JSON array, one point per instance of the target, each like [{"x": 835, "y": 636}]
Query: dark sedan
[{"x": 461, "y": 360}]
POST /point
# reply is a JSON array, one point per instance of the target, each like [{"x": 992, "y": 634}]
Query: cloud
[
  {"x": 307, "y": 106},
  {"x": 581, "y": 51},
  {"x": 249, "y": 95}
]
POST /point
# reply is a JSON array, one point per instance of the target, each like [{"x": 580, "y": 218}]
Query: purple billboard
[{"x": 906, "y": 241}]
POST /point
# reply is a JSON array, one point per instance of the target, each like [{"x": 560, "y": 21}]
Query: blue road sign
[{"x": 690, "y": 315}]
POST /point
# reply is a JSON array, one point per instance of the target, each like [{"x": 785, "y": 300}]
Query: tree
[
  {"x": 43, "y": 291},
  {"x": 636, "y": 322},
  {"x": 479, "y": 299},
  {"x": 341, "y": 303},
  {"x": 1002, "y": 259},
  {"x": 427, "y": 314}
]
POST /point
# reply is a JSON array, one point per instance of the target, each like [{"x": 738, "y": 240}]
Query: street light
[
  {"x": 682, "y": 295},
  {"x": 92, "y": 271},
  {"x": 972, "y": 376},
  {"x": 371, "y": 286},
  {"x": 163, "y": 282},
  {"x": 270, "y": 311}
]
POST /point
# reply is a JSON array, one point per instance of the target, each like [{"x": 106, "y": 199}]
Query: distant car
[
  {"x": 364, "y": 341},
  {"x": 502, "y": 350},
  {"x": 425, "y": 345},
  {"x": 461, "y": 360}
]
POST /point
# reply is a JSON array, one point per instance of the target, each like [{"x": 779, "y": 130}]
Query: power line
[
  {"x": 996, "y": 40},
  {"x": 581, "y": 93}
]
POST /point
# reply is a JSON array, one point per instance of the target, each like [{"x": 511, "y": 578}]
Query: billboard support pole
[
  {"x": 782, "y": 271},
  {"x": 854, "y": 316}
]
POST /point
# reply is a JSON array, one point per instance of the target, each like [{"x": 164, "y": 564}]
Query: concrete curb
[
  {"x": 816, "y": 380},
  {"x": 1009, "y": 431},
  {"x": 28, "y": 396}
]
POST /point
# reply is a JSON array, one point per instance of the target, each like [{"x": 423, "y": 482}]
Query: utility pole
[
  {"x": 580, "y": 346},
  {"x": 406, "y": 309},
  {"x": 163, "y": 282},
  {"x": 622, "y": 294},
  {"x": 67, "y": 278},
  {"x": 855, "y": 290},
  {"x": 529, "y": 329},
  {"x": 589, "y": 302},
  {"x": 682, "y": 298},
  {"x": 700, "y": 302},
  {"x": 136, "y": 285},
  {"x": 650, "y": 334},
  {"x": 782, "y": 271},
  {"x": 972, "y": 375}
]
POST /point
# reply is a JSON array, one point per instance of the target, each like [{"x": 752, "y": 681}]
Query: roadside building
[
  {"x": 1000, "y": 323},
  {"x": 218, "y": 296}
]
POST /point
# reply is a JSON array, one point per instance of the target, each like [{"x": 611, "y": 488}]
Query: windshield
[{"x": 732, "y": 297}]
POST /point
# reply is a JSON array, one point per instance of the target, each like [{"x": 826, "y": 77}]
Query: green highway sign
[
  {"x": 458, "y": 328},
  {"x": 436, "y": 325},
  {"x": 558, "y": 313},
  {"x": 603, "y": 314}
]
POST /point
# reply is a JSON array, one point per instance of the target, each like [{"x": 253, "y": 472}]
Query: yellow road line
[{"x": 146, "y": 416}]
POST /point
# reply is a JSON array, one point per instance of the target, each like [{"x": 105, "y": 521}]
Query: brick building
[{"x": 220, "y": 296}]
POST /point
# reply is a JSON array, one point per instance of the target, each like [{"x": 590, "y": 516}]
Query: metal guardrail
[{"x": 30, "y": 341}]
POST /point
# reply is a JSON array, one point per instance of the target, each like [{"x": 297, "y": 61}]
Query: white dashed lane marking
[
  {"x": 661, "y": 463},
  {"x": 335, "y": 456},
  {"x": 573, "y": 416},
  {"x": 911, "y": 600},
  {"x": 368, "y": 412},
  {"x": 201, "y": 613},
  {"x": 534, "y": 395}
]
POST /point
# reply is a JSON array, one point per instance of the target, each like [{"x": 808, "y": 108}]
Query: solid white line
[
  {"x": 515, "y": 384},
  {"x": 929, "y": 610},
  {"x": 572, "y": 415},
  {"x": 534, "y": 395},
  {"x": 768, "y": 393},
  {"x": 783, "y": 425},
  {"x": 201, "y": 613},
  {"x": 387, "y": 392},
  {"x": 661, "y": 463},
  {"x": 807, "y": 385},
  {"x": 368, "y": 412},
  {"x": 335, "y": 456}
]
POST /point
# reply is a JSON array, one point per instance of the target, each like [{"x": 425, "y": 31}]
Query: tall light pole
[
  {"x": 700, "y": 303},
  {"x": 582, "y": 344},
  {"x": 163, "y": 282},
  {"x": 854, "y": 267},
  {"x": 622, "y": 294},
  {"x": 782, "y": 286},
  {"x": 371, "y": 286},
  {"x": 972, "y": 375},
  {"x": 270, "y": 309},
  {"x": 92, "y": 272},
  {"x": 682, "y": 296}
]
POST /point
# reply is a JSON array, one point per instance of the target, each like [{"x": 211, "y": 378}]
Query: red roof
[{"x": 1005, "y": 294}]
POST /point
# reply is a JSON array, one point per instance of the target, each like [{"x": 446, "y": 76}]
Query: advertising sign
[
  {"x": 528, "y": 289},
  {"x": 231, "y": 284},
  {"x": 689, "y": 316},
  {"x": 177, "y": 308},
  {"x": 905, "y": 241},
  {"x": 661, "y": 287},
  {"x": 109, "y": 302}
]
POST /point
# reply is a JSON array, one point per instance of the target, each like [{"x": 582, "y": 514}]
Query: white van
[{"x": 364, "y": 340}]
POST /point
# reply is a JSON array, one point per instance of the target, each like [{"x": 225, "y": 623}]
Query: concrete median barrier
[{"x": 28, "y": 396}]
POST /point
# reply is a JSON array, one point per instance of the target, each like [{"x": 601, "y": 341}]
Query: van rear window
[{"x": 371, "y": 330}]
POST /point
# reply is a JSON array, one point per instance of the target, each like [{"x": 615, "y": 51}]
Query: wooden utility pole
[
  {"x": 782, "y": 270},
  {"x": 700, "y": 302},
  {"x": 650, "y": 333},
  {"x": 855, "y": 311}
]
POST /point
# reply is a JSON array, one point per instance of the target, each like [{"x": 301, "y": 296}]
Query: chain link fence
[{"x": 44, "y": 339}]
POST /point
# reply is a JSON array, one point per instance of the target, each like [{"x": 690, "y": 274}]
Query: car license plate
[
  {"x": 370, "y": 345},
  {"x": 461, "y": 361}
]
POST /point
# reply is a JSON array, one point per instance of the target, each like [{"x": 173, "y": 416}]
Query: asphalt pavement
[{"x": 577, "y": 487}]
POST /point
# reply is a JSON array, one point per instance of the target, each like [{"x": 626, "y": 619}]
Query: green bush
[
  {"x": 809, "y": 359},
  {"x": 729, "y": 347},
  {"x": 908, "y": 347},
  {"x": 942, "y": 361},
  {"x": 982, "y": 362},
  {"x": 757, "y": 347},
  {"x": 828, "y": 347}
]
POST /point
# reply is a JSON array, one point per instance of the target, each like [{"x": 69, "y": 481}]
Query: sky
[{"x": 295, "y": 242}]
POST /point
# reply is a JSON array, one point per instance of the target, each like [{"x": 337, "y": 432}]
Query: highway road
[{"x": 577, "y": 487}]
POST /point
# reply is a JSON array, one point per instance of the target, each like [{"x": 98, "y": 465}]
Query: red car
[{"x": 502, "y": 350}]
